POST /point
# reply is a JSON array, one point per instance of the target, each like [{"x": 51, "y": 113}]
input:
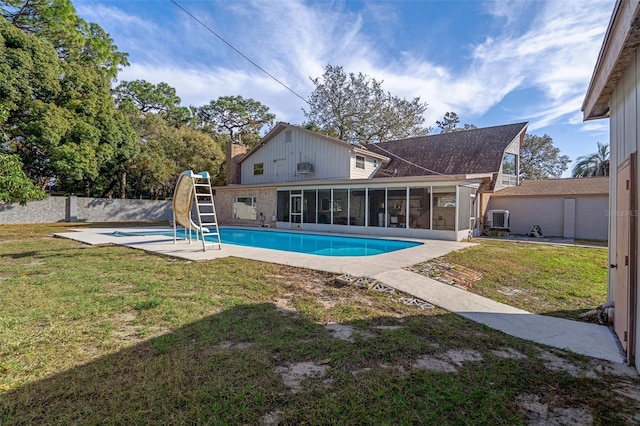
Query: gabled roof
[
  {"x": 463, "y": 152},
  {"x": 281, "y": 126},
  {"x": 557, "y": 187}
]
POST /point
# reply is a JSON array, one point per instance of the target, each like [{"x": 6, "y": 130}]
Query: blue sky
[{"x": 492, "y": 62}]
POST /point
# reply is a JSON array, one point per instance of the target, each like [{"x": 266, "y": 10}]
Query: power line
[{"x": 237, "y": 51}]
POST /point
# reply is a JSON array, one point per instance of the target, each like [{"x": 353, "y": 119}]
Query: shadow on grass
[
  {"x": 223, "y": 369},
  {"x": 232, "y": 368},
  {"x": 20, "y": 255}
]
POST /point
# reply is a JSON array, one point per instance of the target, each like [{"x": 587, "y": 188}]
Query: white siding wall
[
  {"x": 547, "y": 212},
  {"x": 590, "y": 219},
  {"x": 624, "y": 122},
  {"x": 330, "y": 160},
  {"x": 369, "y": 167}
]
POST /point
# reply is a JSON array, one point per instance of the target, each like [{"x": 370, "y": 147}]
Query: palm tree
[{"x": 596, "y": 164}]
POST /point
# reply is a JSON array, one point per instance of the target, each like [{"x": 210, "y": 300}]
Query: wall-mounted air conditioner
[
  {"x": 498, "y": 219},
  {"x": 305, "y": 168}
]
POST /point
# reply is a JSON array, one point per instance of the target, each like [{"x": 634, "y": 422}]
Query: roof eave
[
  {"x": 371, "y": 154},
  {"x": 620, "y": 41},
  {"x": 471, "y": 178}
]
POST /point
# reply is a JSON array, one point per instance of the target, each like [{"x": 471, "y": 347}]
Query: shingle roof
[
  {"x": 462, "y": 152},
  {"x": 550, "y": 187}
]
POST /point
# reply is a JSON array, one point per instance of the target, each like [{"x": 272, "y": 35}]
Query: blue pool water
[{"x": 321, "y": 245}]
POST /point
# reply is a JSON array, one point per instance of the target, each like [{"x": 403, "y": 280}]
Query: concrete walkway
[
  {"x": 580, "y": 337},
  {"x": 587, "y": 339}
]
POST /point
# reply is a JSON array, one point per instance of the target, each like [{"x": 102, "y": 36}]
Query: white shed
[{"x": 568, "y": 208}]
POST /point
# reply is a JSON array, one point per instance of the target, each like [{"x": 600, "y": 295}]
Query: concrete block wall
[
  {"x": 119, "y": 210},
  {"x": 49, "y": 210},
  {"x": 83, "y": 209}
]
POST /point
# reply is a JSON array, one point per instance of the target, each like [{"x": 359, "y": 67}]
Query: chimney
[{"x": 235, "y": 152}]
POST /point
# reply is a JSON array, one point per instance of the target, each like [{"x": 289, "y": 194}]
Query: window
[
  {"x": 444, "y": 200},
  {"x": 282, "y": 213},
  {"x": 444, "y": 211},
  {"x": 357, "y": 207},
  {"x": 287, "y": 136},
  {"x": 258, "y": 169},
  {"x": 509, "y": 167},
  {"x": 509, "y": 164},
  {"x": 340, "y": 200},
  {"x": 359, "y": 162},
  {"x": 244, "y": 208}
]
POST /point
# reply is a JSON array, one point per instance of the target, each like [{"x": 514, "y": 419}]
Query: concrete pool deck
[{"x": 587, "y": 339}]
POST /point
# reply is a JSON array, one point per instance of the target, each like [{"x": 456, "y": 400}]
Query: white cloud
[
  {"x": 105, "y": 15},
  {"x": 598, "y": 127},
  {"x": 550, "y": 49}
]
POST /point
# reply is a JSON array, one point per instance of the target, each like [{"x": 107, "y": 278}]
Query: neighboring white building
[
  {"x": 614, "y": 93},
  {"x": 429, "y": 187},
  {"x": 568, "y": 208}
]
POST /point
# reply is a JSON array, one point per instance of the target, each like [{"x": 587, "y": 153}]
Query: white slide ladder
[
  {"x": 196, "y": 187},
  {"x": 206, "y": 209}
]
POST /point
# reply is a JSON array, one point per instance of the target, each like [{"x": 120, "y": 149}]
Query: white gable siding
[
  {"x": 369, "y": 167},
  {"x": 280, "y": 158}
]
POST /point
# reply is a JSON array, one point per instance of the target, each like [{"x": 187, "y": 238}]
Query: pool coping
[{"x": 353, "y": 265}]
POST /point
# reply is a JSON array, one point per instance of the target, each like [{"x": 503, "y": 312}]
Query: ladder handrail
[{"x": 203, "y": 180}]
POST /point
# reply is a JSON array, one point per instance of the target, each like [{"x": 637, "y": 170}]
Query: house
[
  {"x": 428, "y": 187},
  {"x": 613, "y": 93},
  {"x": 568, "y": 208}
]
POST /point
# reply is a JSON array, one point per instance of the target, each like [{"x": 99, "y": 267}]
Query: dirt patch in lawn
[
  {"x": 455, "y": 275},
  {"x": 292, "y": 375},
  {"x": 540, "y": 413}
]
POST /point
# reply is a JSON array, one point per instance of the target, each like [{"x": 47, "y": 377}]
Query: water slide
[{"x": 183, "y": 200}]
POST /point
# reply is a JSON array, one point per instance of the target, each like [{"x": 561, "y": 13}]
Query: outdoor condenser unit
[{"x": 498, "y": 219}]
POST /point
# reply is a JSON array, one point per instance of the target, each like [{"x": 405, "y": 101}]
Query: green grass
[
  {"x": 561, "y": 281},
  {"x": 111, "y": 335}
]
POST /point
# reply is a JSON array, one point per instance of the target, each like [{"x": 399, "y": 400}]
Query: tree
[
  {"x": 59, "y": 117},
  {"x": 15, "y": 186},
  {"x": 592, "y": 165},
  {"x": 167, "y": 145},
  {"x": 356, "y": 109},
  {"x": 144, "y": 97},
  {"x": 75, "y": 40},
  {"x": 539, "y": 159},
  {"x": 450, "y": 123},
  {"x": 166, "y": 151},
  {"x": 237, "y": 117}
]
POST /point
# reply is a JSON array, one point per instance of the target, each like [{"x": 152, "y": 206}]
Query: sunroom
[{"x": 438, "y": 207}]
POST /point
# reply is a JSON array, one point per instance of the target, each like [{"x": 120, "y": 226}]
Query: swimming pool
[
  {"x": 321, "y": 245},
  {"x": 299, "y": 242}
]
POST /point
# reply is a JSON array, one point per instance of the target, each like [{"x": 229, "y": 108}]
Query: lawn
[
  {"x": 112, "y": 335},
  {"x": 561, "y": 281}
]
